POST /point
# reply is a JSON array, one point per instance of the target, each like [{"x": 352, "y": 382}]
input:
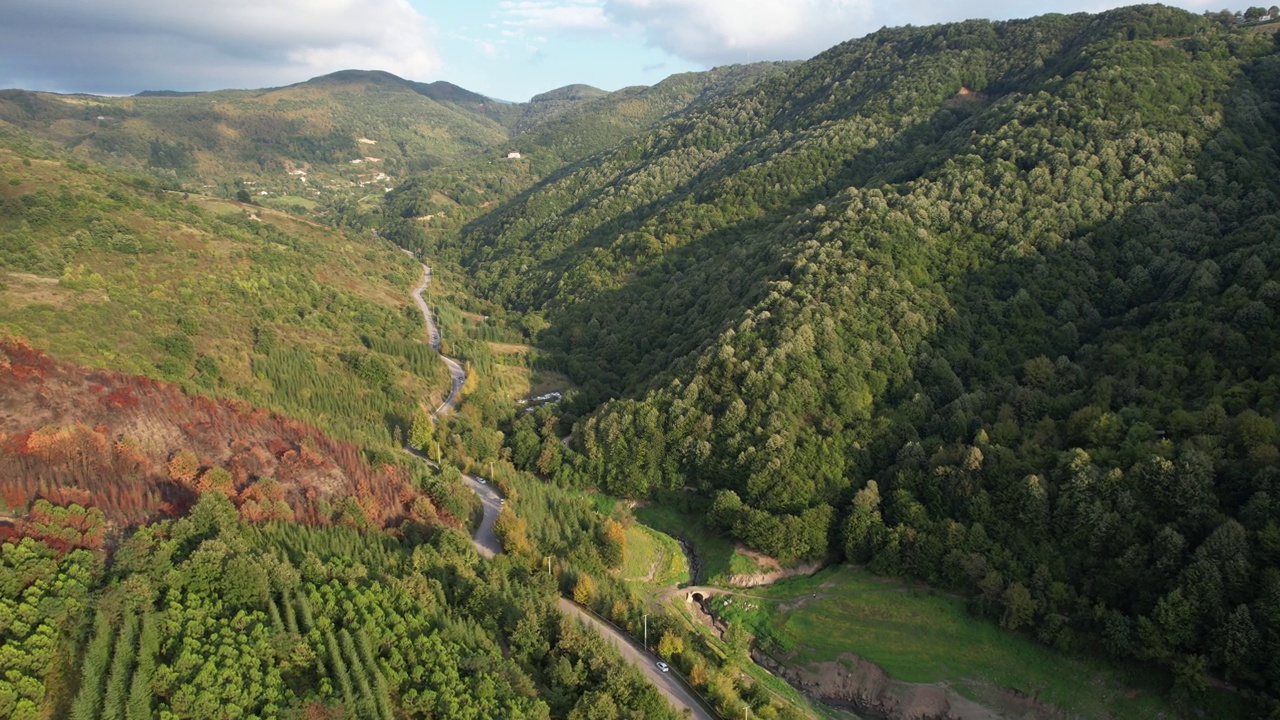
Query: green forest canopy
[{"x": 985, "y": 304}]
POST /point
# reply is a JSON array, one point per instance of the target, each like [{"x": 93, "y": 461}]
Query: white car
[
  {"x": 663, "y": 666},
  {"x": 480, "y": 479}
]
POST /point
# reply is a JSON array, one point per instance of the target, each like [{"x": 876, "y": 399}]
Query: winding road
[
  {"x": 485, "y": 539},
  {"x": 457, "y": 375},
  {"x": 672, "y": 687}
]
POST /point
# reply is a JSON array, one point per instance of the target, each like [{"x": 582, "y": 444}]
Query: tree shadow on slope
[
  {"x": 647, "y": 295},
  {"x": 667, "y": 305},
  {"x": 1086, "y": 445},
  {"x": 1118, "y": 301}
]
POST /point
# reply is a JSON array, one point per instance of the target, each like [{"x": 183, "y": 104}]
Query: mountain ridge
[
  {"x": 898, "y": 304},
  {"x": 985, "y": 305}
]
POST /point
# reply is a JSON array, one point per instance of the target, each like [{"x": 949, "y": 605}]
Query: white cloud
[
  {"x": 130, "y": 45},
  {"x": 555, "y": 16},
  {"x": 714, "y": 32},
  {"x": 719, "y": 31}
]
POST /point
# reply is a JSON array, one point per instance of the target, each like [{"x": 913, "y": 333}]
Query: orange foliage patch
[{"x": 139, "y": 449}]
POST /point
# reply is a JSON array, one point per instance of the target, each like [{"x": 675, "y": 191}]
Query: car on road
[
  {"x": 663, "y": 666},
  {"x": 480, "y": 479}
]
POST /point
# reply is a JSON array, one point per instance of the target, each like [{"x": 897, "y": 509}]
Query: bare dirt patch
[
  {"x": 25, "y": 289},
  {"x": 116, "y": 437},
  {"x": 771, "y": 570},
  {"x": 966, "y": 98},
  {"x": 852, "y": 682}
]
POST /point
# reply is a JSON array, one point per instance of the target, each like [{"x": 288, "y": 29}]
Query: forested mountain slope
[
  {"x": 987, "y": 304},
  {"x": 558, "y": 129},
  {"x": 598, "y": 124},
  {"x": 218, "y": 297},
  {"x": 150, "y": 562},
  {"x": 332, "y": 145}
]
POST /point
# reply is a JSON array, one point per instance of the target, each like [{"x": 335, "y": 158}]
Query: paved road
[
  {"x": 486, "y": 541},
  {"x": 668, "y": 683},
  {"x": 457, "y": 374}
]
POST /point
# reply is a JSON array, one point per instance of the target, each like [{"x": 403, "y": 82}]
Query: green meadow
[
  {"x": 653, "y": 558},
  {"x": 919, "y": 635},
  {"x": 718, "y": 556}
]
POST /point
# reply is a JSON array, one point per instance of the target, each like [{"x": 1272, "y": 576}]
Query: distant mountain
[
  {"x": 330, "y": 146},
  {"x": 168, "y": 93},
  {"x": 519, "y": 117},
  {"x": 568, "y": 93},
  {"x": 297, "y": 145},
  {"x": 439, "y": 91},
  {"x": 448, "y": 92},
  {"x": 585, "y": 122}
]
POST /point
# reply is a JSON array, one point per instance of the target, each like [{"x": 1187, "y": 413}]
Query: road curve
[
  {"x": 485, "y": 539},
  {"x": 488, "y": 546},
  {"x": 668, "y": 683},
  {"x": 457, "y": 375}
]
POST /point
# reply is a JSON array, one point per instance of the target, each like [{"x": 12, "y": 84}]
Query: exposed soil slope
[{"x": 856, "y": 683}]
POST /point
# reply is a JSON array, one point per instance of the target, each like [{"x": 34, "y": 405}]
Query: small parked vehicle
[{"x": 663, "y": 666}]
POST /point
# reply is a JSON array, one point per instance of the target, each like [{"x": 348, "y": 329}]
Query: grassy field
[
  {"x": 777, "y": 686},
  {"x": 284, "y": 201},
  {"x": 653, "y": 559},
  {"x": 917, "y": 635},
  {"x": 508, "y": 348},
  {"x": 718, "y": 556},
  {"x": 542, "y": 382},
  {"x": 510, "y": 381}
]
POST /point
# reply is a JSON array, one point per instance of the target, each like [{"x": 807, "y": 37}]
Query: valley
[
  {"x": 936, "y": 376},
  {"x": 457, "y": 375}
]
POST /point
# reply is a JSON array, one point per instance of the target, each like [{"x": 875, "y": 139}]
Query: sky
[{"x": 506, "y": 49}]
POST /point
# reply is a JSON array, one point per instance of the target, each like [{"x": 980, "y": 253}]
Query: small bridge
[{"x": 701, "y": 593}]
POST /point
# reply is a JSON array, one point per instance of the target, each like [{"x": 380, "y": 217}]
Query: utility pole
[
  {"x": 646, "y": 632},
  {"x": 548, "y": 564}
]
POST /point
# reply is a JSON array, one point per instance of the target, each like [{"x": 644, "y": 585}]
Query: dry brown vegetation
[{"x": 138, "y": 449}]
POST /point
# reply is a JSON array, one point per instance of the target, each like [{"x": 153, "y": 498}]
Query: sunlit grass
[
  {"x": 719, "y": 558},
  {"x": 653, "y": 558},
  {"x": 918, "y": 635}
]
